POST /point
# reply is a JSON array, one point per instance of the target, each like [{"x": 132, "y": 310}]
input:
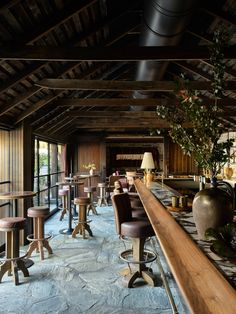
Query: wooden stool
[
  {"x": 82, "y": 203},
  {"x": 64, "y": 194},
  {"x": 89, "y": 190},
  {"x": 38, "y": 240},
  {"x": 12, "y": 261},
  {"x": 102, "y": 199}
]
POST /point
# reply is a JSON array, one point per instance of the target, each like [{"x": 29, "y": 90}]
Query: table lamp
[{"x": 148, "y": 165}]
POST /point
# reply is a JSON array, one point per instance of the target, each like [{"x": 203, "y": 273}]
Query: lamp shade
[{"x": 147, "y": 162}]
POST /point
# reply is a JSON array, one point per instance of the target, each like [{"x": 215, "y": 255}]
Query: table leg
[
  {"x": 75, "y": 214},
  {"x": 15, "y": 207},
  {"x": 70, "y": 229}
]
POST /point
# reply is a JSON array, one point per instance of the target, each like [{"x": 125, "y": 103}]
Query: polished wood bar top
[
  {"x": 202, "y": 285},
  {"x": 16, "y": 195}
]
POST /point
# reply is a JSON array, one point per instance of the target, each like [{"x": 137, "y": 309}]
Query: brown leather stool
[
  {"x": 12, "y": 261},
  {"x": 137, "y": 230},
  {"x": 82, "y": 225},
  {"x": 38, "y": 239},
  {"x": 64, "y": 194},
  {"x": 102, "y": 198},
  {"x": 136, "y": 205},
  {"x": 89, "y": 190}
]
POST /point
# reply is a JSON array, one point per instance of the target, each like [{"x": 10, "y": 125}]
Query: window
[{"x": 49, "y": 168}]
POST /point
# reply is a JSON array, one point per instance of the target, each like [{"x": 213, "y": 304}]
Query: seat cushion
[
  {"x": 90, "y": 189},
  {"x": 137, "y": 228},
  {"x": 38, "y": 211},
  {"x": 12, "y": 223},
  {"x": 62, "y": 192},
  {"x": 82, "y": 200}
]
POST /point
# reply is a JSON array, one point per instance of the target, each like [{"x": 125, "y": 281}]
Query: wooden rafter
[
  {"x": 169, "y": 53},
  {"x": 103, "y": 102},
  {"x": 167, "y": 86}
]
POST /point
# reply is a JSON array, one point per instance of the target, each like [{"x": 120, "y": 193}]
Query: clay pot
[{"x": 212, "y": 208}]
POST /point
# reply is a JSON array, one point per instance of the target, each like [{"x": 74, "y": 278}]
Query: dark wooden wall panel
[
  {"x": 87, "y": 152},
  {"x": 179, "y": 163}
]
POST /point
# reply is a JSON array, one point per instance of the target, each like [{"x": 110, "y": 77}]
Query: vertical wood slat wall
[
  {"x": 16, "y": 166},
  {"x": 175, "y": 162},
  {"x": 179, "y": 163},
  {"x": 91, "y": 151},
  {"x": 4, "y": 173}
]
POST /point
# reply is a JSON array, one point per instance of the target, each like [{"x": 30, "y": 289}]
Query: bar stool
[
  {"x": 82, "y": 225},
  {"x": 136, "y": 205},
  {"x": 102, "y": 198},
  {"x": 12, "y": 261},
  {"x": 38, "y": 239},
  {"x": 137, "y": 230},
  {"x": 64, "y": 194},
  {"x": 89, "y": 190}
]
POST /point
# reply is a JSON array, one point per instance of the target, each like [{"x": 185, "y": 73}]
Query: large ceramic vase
[{"x": 212, "y": 208}]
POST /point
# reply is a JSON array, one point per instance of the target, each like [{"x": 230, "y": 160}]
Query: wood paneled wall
[
  {"x": 16, "y": 164},
  {"x": 4, "y": 173},
  {"x": 21, "y": 143},
  {"x": 91, "y": 151},
  {"x": 174, "y": 161},
  {"x": 179, "y": 163}
]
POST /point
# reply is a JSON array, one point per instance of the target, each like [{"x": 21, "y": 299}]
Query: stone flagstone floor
[{"x": 82, "y": 276}]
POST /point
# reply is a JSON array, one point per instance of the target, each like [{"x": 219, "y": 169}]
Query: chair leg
[
  {"x": 38, "y": 242},
  {"x": 5, "y": 267},
  {"x": 141, "y": 270}
]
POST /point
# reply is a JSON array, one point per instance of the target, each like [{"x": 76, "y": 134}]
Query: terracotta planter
[{"x": 212, "y": 208}]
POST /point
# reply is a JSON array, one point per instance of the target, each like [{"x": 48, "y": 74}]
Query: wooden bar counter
[{"x": 202, "y": 285}]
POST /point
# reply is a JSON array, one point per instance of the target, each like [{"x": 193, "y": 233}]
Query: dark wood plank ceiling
[{"x": 96, "y": 42}]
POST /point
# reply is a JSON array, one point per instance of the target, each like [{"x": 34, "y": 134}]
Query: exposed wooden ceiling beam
[
  {"x": 167, "y": 86},
  {"x": 125, "y": 102},
  {"x": 169, "y": 53},
  {"x": 117, "y": 114},
  {"x": 102, "y": 102},
  {"x": 48, "y": 98}
]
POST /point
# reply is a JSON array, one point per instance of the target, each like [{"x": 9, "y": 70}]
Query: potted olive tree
[{"x": 194, "y": 125}]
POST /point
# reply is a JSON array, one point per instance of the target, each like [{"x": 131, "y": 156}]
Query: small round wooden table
[{"x": 15, "y": 196}]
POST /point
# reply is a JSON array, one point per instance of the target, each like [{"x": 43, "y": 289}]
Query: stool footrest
[
  {"x": 5, "y": 259},
  {"x": 46, "y": 237},
  {"x": 127, "y": 256}
]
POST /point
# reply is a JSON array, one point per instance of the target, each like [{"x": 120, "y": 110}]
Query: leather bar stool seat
[
  {"x": 137, "y": 230},
  {"x": 90, "y": 190},
  {"x": 38, "y": 239},
  {"x": 12, "y": 262},
  {"x": 102, "y": 195},
  {"x": 63, "y": 193},
  {"x": 83, "y": 224}
]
